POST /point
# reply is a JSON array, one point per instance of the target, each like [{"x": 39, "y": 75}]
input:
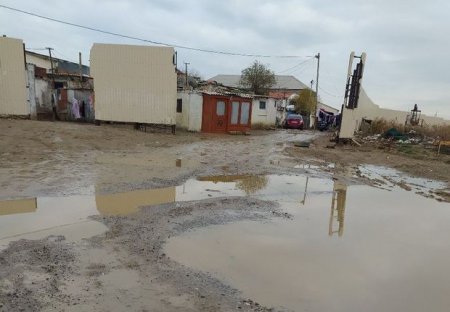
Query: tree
[
  {"x": 252, "y": 184},
  {"x": 194, "y": 77},
  {"x": 305, "y": 102},
  {"x": 257, "y": 78},
  {"x": 195, "y": 74}
]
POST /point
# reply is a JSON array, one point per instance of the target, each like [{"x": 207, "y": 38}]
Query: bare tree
[{"x": 257, "y": 78}]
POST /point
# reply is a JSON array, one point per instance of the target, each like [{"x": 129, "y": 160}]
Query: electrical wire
[
  {"x": 62, "y": 54},
  {"x": 295, "y": 66},
  {"x": 146, "y": 40},
  {"x": 329, "y": 93}
]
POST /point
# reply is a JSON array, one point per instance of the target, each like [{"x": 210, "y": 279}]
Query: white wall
[
  {"x": 265, "y": 116},
  {"x": 43, "y": 94},
  {"x": 192, "y": 109},
  {"x": 31, "y": 91},
  {"x": 195, "y": 112},
  {"x": 183, "y": 117}
]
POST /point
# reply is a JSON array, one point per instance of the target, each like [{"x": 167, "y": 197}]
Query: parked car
[{"x": 294, "y": 121}]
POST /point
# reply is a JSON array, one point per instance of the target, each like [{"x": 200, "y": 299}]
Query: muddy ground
[
  {"x": 126, "y": 268},
  {"x": 415, "y": 160}
]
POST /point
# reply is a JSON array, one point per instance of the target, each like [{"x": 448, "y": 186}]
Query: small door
[{"x": 220, "y": 116}]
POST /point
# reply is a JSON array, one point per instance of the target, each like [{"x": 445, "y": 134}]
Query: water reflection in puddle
[
  {"x": 37, "y": 218},
  {"x": 348, "y": 248}
]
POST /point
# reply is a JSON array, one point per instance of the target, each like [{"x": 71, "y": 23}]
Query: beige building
[
  {"x": 13, "y": 81},
  {"x": 134, "y": 83}
]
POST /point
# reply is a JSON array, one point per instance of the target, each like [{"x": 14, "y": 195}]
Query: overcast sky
[{"x": 407, "y": 41}]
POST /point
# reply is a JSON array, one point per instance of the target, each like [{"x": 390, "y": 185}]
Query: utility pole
[
  {"x": 317, "y": 89},
  {"x": 53, "y": 99},
  {"x": 81, "y": 66},
  {"x": 51, "y": 59},
  {"x": 186, "y": 73}
]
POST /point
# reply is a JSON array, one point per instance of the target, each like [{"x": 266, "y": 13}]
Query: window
[
  {"x": 245, "y": 112},
  {"x": 220, "y": 108},
  {"x": 59, "y": 85},
  {"x": 234, "y": 113},
  {"x": 179, "y": 105},
  {"x": 262, "y": 104}
]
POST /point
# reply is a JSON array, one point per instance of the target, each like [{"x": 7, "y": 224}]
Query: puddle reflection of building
[
  {"x": 337, "y": 208},
  {"x": 8, "y": 207},
  {"x": 129, "y": 202}
]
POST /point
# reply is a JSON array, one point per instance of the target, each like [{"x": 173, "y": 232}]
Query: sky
[{"x": 407, "y": 41}]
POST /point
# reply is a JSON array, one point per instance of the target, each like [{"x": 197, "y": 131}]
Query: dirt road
[{"x": 110, "y": 256}]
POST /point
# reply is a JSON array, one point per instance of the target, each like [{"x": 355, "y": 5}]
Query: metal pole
[
  {"x": 317, "y": 89},
  {"x": 51, "y": 62},
  {"x": 186, "y": 73}
]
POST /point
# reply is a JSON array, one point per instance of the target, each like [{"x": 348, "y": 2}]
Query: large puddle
[
  {"x": 347, "y": 248},
  {"x": 36, "y": 218}
]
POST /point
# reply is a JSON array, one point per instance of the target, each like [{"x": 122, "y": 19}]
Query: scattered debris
[
  {"x": 302, "y": 144},
  {"x": 356, "y": 142}
]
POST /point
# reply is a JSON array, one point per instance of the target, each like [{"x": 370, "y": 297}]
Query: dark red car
[{"x": 294, "y": 121}]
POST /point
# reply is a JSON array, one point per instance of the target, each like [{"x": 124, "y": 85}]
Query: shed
[
  {"x": 226, "y": 113},
  {"x": 135, "y": 84},
  {"x": 214, "y": 112}
]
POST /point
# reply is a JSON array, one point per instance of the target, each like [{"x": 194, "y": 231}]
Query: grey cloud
[{"x": 406, "y": 41}]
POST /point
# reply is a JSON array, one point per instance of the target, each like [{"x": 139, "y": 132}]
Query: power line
[
  {"x": 295, "y": 66},
  {"x": 62, "y": 54},
  {"x": 147, "y": 40},
  {"x": 301, "y": 69},
  {"x": 330, "y": 94}
]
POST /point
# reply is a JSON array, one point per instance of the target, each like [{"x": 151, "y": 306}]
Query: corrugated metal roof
[{"x": 282, "y": 82}]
